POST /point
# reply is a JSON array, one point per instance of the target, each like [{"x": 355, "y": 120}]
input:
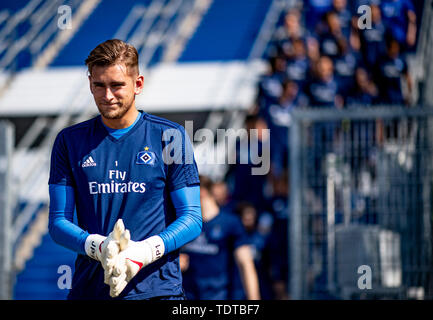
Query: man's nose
[{"x": 108, "y": 94}]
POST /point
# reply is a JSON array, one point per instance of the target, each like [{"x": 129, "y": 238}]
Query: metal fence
[
  {"x": 6, "y": 207},
  {"x": 361, "y": 215}
]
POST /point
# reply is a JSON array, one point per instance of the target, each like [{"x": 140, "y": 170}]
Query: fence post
[
  {"x": 6, "y": 148},
  {"x": 297, "y": 269}
]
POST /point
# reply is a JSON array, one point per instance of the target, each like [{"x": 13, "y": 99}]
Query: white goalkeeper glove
[
  {"x": 134, "y": 255},
  {"x": 105, "y": 249}
]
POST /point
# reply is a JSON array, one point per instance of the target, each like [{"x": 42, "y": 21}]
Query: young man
[
  {"x": 391, "y": 70},
  {"x": 209, "y": 260},
  {"x": 123, "y": 164}
]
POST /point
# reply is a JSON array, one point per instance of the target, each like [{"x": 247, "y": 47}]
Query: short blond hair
[{"x": 112, "y": 52}]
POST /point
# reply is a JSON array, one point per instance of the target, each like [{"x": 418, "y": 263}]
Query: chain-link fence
[{"x": 361, "y": 215}]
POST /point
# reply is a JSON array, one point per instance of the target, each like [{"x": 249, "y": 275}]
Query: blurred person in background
[
  {"x": 391, "y": 70},
  {"x": 244, "y": 185},
  {"x": 346, "y": 62},
  {"x": 372, "y": 39},
  {"x": 220, "y": 191},
  {"x": 291, "y": 31},
  {"x": 364, "y": 92},
  {"x": 209, "y": 261},
  {"x": 400, "y": 17},
  {"x": 299, "y": 65},
  {"x": 322, "y": 90},
  {"x": 257, "y": 235},
  {"x": 278, "y": 241},
  {"x": 344, "y": 16},
  {"x": 278, "y": 119},
  {"x": 270, "y": 84},
  {"x": 331, "y": 38},
  {"x": 314, "y": 11}
]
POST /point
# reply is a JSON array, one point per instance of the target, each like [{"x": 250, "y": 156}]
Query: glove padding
[
  {"x": 132, "y": 258},
  {"x": 105, "y": 249}
]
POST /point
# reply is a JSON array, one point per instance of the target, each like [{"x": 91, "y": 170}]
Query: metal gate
[{"x": 361, "y": 215}]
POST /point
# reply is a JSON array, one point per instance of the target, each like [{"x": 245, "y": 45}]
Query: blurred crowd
[{"x": 325, "y": 54}]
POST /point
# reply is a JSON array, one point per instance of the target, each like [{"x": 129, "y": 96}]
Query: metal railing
[
  {"x": 42, "y": 17},
  {"x": 6, "y": 204},
  {"x": 360, "y": 222}
]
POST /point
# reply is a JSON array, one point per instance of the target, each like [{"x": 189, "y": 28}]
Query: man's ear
[
  {"x": 139, "y": 84},
  {"x": 90, "y": 83}
]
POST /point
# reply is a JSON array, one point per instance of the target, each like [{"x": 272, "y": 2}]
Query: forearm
[
  {"x": 411, "y": 29},
  {"x": 60, "y": 225},
  {"x": 188, "y": 223},
  {"x": 248, "y": 273}
]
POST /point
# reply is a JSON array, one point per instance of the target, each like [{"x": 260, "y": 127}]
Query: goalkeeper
[{"x": 133, "y": 181}]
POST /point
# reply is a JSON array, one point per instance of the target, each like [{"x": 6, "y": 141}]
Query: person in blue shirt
[
  {"x": 208, "y": 261},
  {"x": 299, "y": 65},
  {"x": 270, "y": 84},
  {"x": 345, "y": 64},
  {"x": 364, "y": 92},
  {"x": 129, "y": 165},
  {"x": 278, "y": 118},
  {"x": 257, "y": 236},
  {"x": 322, "y": 90},
  {"x": 332, "y": 36},
  {"x": 373, "y": 41},
  {"x": 391, "y": 69},
  {"x": 344, "y": 15},
  {"x": 277, "y": 243},
  {"x": 400, "y": 17},
  {"x": 314, "y": 11},
  {"x": 252, "y": 152},
  {"x": 291, "y": 31}
]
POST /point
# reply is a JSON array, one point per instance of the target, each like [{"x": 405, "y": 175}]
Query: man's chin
[{"x": 112, "y": 114}]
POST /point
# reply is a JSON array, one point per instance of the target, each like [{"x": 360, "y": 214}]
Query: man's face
[
  {"x": 325, "y": 68},
  {"x": 114, "y": 89}
]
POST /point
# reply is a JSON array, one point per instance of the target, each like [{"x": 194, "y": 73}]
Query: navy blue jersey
[
  {"x": 395, "y": 15},
  {"x": 329, "y": 44},
  {"x": 314, "y": 10},
  {"x": 373, "y": 43},
  {"x": 128, "y": 178},
  {"x": 298, "y": 70},
  {"x": 322, "y": 93},
  {"x": 246, "y": 186},
  {"x": 211, "y": 259},
  {"x": 391, "y": 70},
  {"x": 345, "y": 68},
  {"x": 345, "y": 18}
]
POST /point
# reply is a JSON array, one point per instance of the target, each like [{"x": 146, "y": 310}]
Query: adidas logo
[{"x": 89, "y": 163}]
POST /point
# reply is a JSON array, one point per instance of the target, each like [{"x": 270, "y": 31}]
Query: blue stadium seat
[
  {"x": 101, "y": 25},
  {"x": 227, "y": 31},
  {"x": 38, "y": 280}
]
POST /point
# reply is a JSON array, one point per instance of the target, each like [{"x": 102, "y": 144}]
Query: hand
[
  {"x": 103, "y": 248},
  {"x": 132, "y": 258}
]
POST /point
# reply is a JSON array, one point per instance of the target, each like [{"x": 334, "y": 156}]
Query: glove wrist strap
[
  {"x": 92, "y": 246},
  {"x": 157, "y": 247}
]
